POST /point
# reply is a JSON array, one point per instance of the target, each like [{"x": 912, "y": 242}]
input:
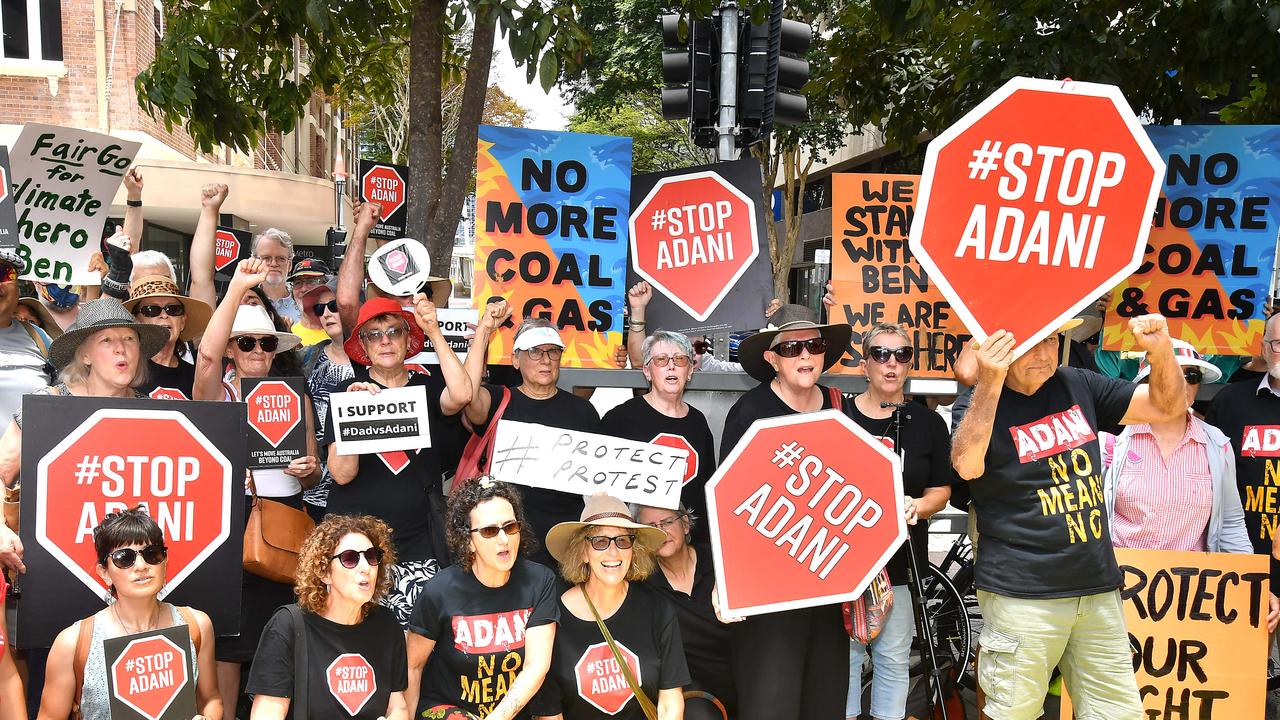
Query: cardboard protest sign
[
  {"x": 151, "y": 675},
  {"x": 1035, "y": 203},
  {"x": 1197, "y": 626},
  {"x": 585, "y": 463},
  {"x": 697, "y": 238},
  {"x": 278, "y": 428},
  {"x": 551, "y": 236},
  {"x": 394, "y": 419},
  {"x": 805, "y": 510},
  {"x": 8, "y": 216},
  {"x": 63, "y": 182},
  {"x": 875, "y": 277},
  {"x": 387, "y": 185},
  {"x": 458, "y": 326},
  {"x": 88, "y": 457},
  {"x": 1208, "y": 263},
  {"x": 400, "y": 267},
  {"x": 230, "y": 246}
]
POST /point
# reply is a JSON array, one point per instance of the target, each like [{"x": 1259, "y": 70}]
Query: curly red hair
[{"x": 317, "y": 552}]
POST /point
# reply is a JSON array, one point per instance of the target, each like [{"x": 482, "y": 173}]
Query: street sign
[
  {"x": 692, "y": 237},
  {"x": 275, "y": 412},
  {"x": 600, "y": 679},
  {"x": 387, "y": 185},
  {"x": 87, "y": 457},
  {"x": 804, "y": 511},
  {"x": 230, "y": 246},
  {"x": 151, "y": 675},
  {"x": 1034, "y": 204}
]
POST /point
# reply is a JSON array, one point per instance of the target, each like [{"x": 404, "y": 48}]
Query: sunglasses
[
  {"x": 1193, "y": 376},
  {"x": 8, "y": 273},
  {"x": 792, "y": 348},
  {"x": 124, "y": 558},
  {"x": 489, "y": 532},
  {"x": 373, "y": 337},
  {"x": 601, "y": 542},
  {"x": 351, "y": 558},
  {"x": 153, "y": 311},
  {"x": 662, "y": 360},
  {"x": 268, "y": 343},
  {"x": 882, "y": 354},
  {"x": 319, "y": 308}
]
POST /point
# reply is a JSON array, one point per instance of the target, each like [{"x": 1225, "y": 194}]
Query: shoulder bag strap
[
  {"x": 189, "y": 618},
  {"x": 299, "y": 703},
  {"x": 837, "y": 398},
  {"x": 80, "y": 659},
  {"x": 41, "y": 345},
  {"x": 646, "y": 704}
]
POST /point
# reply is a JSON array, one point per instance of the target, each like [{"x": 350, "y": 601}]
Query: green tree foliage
[{"x": 657, "y": 144}]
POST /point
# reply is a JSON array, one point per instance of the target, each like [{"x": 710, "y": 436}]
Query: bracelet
[
  {"x": 133, "y": 203},
  {"x": 637, "y": 327}
]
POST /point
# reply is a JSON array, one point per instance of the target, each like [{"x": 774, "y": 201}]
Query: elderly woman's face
[
  {"x": 539, "y": 366},
  {"x": 357, "y": 584},
  {"x": 800, "y": 372},
  {"x": 608, "y": 566},
  {"x": 498, "y": 553},
  {"x": 155, "y": 311},
  {"x": 664, "y": 371},
  {"x": 254, "y": 362},
  {"x": 672, "y": 522},
  {"x": 386, "y": 339},
  {"x": 112, "y": 355}
]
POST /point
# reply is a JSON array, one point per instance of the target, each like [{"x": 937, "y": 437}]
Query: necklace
[{"x": 151, "y": 623}]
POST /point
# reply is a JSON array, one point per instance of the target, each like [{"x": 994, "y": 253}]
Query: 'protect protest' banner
[
  {"x": 63, "y": 182},
  {"x": 1211, "y": 252},
  {"x": 551, "y": 236},
  {"x": 875, "y": 277}
]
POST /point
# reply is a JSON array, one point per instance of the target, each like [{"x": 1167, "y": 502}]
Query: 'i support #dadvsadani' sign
[{"x": 63, "y": 183}]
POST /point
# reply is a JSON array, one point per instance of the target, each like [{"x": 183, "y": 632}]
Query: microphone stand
[{"x": 933, "y": 679}]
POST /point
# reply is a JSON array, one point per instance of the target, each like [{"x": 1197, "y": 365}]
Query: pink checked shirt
[{"x": 1163, "y": 504}]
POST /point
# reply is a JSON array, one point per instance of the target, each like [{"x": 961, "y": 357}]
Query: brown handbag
[
  {"x": 12, "y": 498},
  {"x": 273, "y": 538}
]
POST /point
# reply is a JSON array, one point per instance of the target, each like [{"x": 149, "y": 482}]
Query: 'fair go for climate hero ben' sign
[{"x": 63, "y": 183}]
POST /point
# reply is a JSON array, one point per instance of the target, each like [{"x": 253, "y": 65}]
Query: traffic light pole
[{"x": 728, "y": 149}]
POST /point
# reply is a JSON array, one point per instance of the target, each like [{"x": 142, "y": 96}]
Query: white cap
[{"x": 535, "y": 336}]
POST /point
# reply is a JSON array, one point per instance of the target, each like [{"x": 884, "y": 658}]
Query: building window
[
  {"x": 32, "y": 29},
  {"x": 157, "y": 20}
]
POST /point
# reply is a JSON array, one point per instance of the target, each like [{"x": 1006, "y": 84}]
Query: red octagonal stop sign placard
[
  {"x": 600, "y": 679},
  {"x": 804, "y": 511},
  {"x": 274, "y": 410},
  {"x": 117, "y": 459},
  {"x": 1034, "y": 204},
  {"x": 692, "y": 237},
  {"x": 149, "y": 674},
  {"x": 679, "y": 442},
  {"x": 351, "y": 681},
  {"x": 383, "y": 185},
  {"x": 226, "y": 248}
]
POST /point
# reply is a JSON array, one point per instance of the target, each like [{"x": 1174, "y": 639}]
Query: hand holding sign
[{"x": 994, "y": 357}]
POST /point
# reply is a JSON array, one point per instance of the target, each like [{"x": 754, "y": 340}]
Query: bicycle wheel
[{"x": 949, "y": 620}]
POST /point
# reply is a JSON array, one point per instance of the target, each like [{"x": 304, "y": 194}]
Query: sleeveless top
[
  {"x": 271, "y": 482},
  {"x": 94, "y": 704},
  {"x": 60, "y": 389}
]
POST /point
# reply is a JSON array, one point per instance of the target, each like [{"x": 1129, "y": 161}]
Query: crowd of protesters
[{"x": 412, "y": 566}]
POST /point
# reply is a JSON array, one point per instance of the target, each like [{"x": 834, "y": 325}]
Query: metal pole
[{"x": 728, "y": 122}]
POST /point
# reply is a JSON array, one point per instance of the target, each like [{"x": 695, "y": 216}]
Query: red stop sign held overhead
[
  {"x": 226, "y": 248},
  {"x": 1034, "y": 204},
  {"x": 274, "y": 410},
  {"x": 804, "y": 512},
  {"x": 383, "y": 185},
  {"x": 692, "y": 237}
]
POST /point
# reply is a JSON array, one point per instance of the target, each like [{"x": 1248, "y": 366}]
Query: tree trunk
[
  {"x": 462, "y": 156},
  {"x": 425, "y": 75}
]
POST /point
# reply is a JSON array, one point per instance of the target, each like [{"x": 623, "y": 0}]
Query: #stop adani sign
[
  {"x": 692, "y": 237},
  {"x": 804, "y": 511},
  {"x": 388, "y": 186},
  {"x": 1034, "y": 204}
]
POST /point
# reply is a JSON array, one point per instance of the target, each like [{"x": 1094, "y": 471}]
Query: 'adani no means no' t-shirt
[{"x": 1042, "y": 519}]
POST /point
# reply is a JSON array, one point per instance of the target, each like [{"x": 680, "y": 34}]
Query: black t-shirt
[
  {"x": 398, "y": 488},
  {"x": 706, "y": 639},
  {"x": 758, "y": 403},
  {"x": 1042, "y": 517},
  {"x": 586, "y": 683},
  {"x": 926, "y": 464},
  {"x": 479, "y": 633},
  {"x": 636, "y": 419},
  {"x": 166, "y": 383},
  {"x": 1243, "y": 375},
  {"x": 351, "y": 669},
  {"x": 545, "y": 508},
  {"x": 1250, "y": 417}
]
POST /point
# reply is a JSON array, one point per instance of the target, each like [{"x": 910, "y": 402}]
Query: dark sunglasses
[
  {"x": 319, "y": 308},
  {"x": 8, "y": 273},
  {"x": 153, "y": 311},
  {"x": 791, "y": 348},
  {"x": 489, "y": 532},
  {"x": 351, "y": 558},
  {"x": 1194, "y": 376},
  {"x": 882, "y": 354},
  {"x": 124, "y": 558},
  {"x": 601, "y": 542},
  {"x": 268, "y": 343}
]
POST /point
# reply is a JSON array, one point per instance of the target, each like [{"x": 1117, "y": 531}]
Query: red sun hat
[{"x": 376, "y": 307}]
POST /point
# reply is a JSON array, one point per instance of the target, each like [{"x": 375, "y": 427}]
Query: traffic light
[
  {"x": 690, "y": 72},
  {"x": 769, "y": 81}
]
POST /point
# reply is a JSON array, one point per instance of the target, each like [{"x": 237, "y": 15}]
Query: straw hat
[
  {"x": 198, "y": 311},
  {"x": 786, "y": 319},
  {"x": 253, "y": 320},
  {"x": 98, "y": 315},
  {"x": 602, "y": 511},
  {"x": 50, "y": 325},
  {"x": 371, "y": 309}
]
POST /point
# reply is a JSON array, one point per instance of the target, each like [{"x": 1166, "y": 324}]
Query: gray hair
[
  {"x": 678, "y": 339},
  {"x": 153, "y": 257},
  {"x": 882, "y": 329},
  {"x": 530, "y": 323},
  {"x": 76, "y": 372},
  {"x": 689, "y": 517},
  {"x": 278, "y": 235}
]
